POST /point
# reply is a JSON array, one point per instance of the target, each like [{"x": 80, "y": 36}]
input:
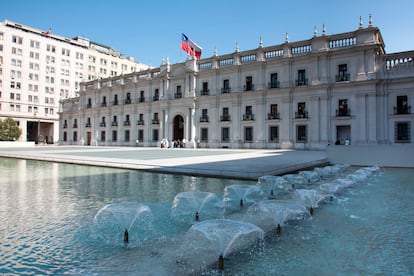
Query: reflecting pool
[{"x": 62, "y": 218}]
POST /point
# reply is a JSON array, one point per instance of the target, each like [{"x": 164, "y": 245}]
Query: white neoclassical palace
[{"x": 340, "y": 88}]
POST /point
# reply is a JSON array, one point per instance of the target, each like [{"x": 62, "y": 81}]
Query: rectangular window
[
  {"x": 249, "y": 84},
  {"x": 205, "y": 89},
  {"x": 402, "y": 106},
  {"x": 126, "y": 134},
  {"x": 342, "y": 73},
  {"x": 301, "y": 134},
  {"x": 273, "y": 81},
  {"x": 17, "y": 39},
  {"x": 65, "y": 136},
  {"x": 225, "y": 116},
  {"x": 343, "y": 109},
  {"x": 204, "y": 115},
  {"x": 225, "y": 134},
  {"x": 204, "y": 134},
  {"x": 140, "y": 135},
  {"x": 226, "y": 86},
  {"x": 155, "y": 135},
  {"x": 302, "y": 80},
  {"x": 402, "y": 132},
  {"x": 114, "y": 135},
  {"x": 75, "y": 136},
  {"x": 103, "y": 134},
  {"x": 248, "y": 134},
  {"x": 274, "y": 134},
  {"x": 178, "y": 93},
  {"x": 301, "y": 113}
]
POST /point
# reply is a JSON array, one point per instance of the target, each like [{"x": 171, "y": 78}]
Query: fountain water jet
[{"x": 236, "y": 196}]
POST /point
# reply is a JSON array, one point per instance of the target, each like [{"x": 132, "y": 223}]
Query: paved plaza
[{"x": 229, "y": 163}]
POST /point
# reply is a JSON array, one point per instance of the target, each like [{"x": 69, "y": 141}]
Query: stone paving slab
[{"x": 230, "y": 163}]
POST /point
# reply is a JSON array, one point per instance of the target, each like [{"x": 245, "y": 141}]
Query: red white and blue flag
[{"x": 190, "y": 47}]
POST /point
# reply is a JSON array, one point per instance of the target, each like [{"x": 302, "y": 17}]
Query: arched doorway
[{"x": 178, "y": 128}]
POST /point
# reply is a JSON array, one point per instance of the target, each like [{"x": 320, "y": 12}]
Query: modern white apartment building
[
  {"x": 340, "y": 88},
  {"x": 39, "y": 68}
]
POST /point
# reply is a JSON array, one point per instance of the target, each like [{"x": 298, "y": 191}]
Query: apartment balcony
[
  {"x": 301, "y": 82},
  {"x": 75, "y": 126},
  {"x": 205, "y": 92},
  {"x": 65, "y": 126},
  {"x": 114, "y": 124},
  {"x": 342, "y": 77},
  {"x": 156, "y": 98},
  {"x": 248, "y": 87},
  {"x": 140, "y": 122},
  {"x": 127, "y": 101},
  {"x": 141, "y": 99},
  {"x": 225, "y": 90},
  {"x": 401, "y": 110},
  {"x": 103, "y": 104},
  {"x": 178, "y": 95},
  {"x": 273, "y": 116},
  {"x": 225, "y": 118},
  {"x": 248, "y": 117},
  {"x": 155, "y": 121},
  {"x": 344, "y": 112},
  {"x": 127, "y": 123},
  {"x": 89, "y": 105},
  {"x": 204, "y": 119},
  {"x": 102, "y": 124},
  {"x": 115, "y": 103},
  {"x": 274, "y": 84},
  {"x": 88, "y": 125},
  {"x": 301, "y": 115}
]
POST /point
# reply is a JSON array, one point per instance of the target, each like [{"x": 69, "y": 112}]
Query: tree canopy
[{"x": 9, "y": 130}]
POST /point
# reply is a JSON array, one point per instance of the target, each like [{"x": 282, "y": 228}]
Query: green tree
[{"x": 9, "y": 130}]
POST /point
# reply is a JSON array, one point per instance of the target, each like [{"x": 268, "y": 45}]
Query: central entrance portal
[{"x": 178, "y": 125}]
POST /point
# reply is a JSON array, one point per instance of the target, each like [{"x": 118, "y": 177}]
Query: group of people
[{"x": 172, "y": 144}]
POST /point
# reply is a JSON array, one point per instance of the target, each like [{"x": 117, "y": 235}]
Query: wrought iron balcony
[
  {"x": 204, "y": 119},
  {"x": 301, "y": 82},
  {"x": 248, "y": 87},
  {"x": 301, "y": 115},
  {"x": 155, "y": 121},
  {"x": 273, "y": 116},
  {"x": 225, "y": 90},
  {"x": 273, "y": 84},
  {"x": 140, "y": 122},
  {"x": 88, "y": 125},
  {"x": 344, "y": 112},
  {"x": 225, "y": 118},
  {"x": 75, "y": 126},
  {"x": 65, "y": 126},
  {"x": 141, "y": 99},
  {"x": 127, "y": 123},
  {"x": 342, "y": 77},
  {"x": 89, "y": 105},
  {"x": 178, "y": 95},
  {"x": 102, "y": 124},
  {"x": 205, "y": 92},
  {"x": 248, "y": 117},
  {"x": 400, "y": 110},
  {"x": 115, "y": 103},
  {"x": 127, "y": 101},
  {"x": 103, "y": 104},
  {"x": 156, "y": 98},
  {"x": 114, "y": 124}
]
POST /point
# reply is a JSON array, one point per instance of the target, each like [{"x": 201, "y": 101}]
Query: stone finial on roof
[
  {"x": 360, "y": 23},
  {"x": 215, "y": 52},
  {"x": 287, "y": 38},
  {"x": 323, "y": 29},
  {"x": 260, "y": 42},
  {"x": 370, "y": 20},
  {"x": 237, "y": 47},
  {"x": 315, "y": 31}
]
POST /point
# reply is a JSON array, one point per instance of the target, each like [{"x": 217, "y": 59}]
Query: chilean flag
[{"x": 190, "y": 47}]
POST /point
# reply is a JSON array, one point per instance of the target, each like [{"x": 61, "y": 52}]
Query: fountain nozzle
[
  {"x": 197, "y": 217},
  {"x": 241, "y": 202},
  {"x": 126, "y": 236},
  {"x": 278, "y": 229},
  {"x": 221, "y": 262}
]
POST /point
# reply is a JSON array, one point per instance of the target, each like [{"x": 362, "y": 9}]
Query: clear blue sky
[{"x": 151, "y": 30}]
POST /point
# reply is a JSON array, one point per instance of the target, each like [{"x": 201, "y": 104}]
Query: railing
[
  {"x": 301, "y": 82},
  {"x": 248, "y": 117},
  {"x": 114, "y": 124},
  {"x": 248, "y": 87},
  {"x": 207, "y": 65},
  {"x": 155, "y": 121},
  {"x": 301, "y": 49},
  {"x": 89, "y": 105},
  {"x": 204, "y": 119},
  {"x": 274, "y": 84},
  {"x": 141, "y": 99},
  {"x": 140, "y": 122},
  {"x": 301, "y": 115},
  {"x": 102, "y": 124},
  {"x": 248, "y": 58},
  {"x": 400, "y": 110},
  {"x": 156, "y": 98},
  {"x": 274, "y": 54},
  {"x": 205, "y": 92},
  {"x": 128, "y": 101},
  {"x": 225, "y": 90},
  {"x": 75, "y": 126},
  {"x": 115, "y": 103},
  {"x": 225, "y": 118},
  {"x": 88, "y": 125},
  {"x": 65, "y": 126},
  {"x": 103, "y": 104},
  {"x": 273, "y": 116},
  {"x": 127, "y": 123},
  {"x": 343, "y": 112},
  {"x": 226, "y": 62},
  {"x": 178, "y": 95},
  {"x": 344, "y": 42},
  {"x": 342, "y": 77}
]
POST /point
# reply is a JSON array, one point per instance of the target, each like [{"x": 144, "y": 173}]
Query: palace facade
[{"x": 340, "y": 88}]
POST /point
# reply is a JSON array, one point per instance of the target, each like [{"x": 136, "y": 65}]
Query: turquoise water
[{"x": 48, "y": 225}]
